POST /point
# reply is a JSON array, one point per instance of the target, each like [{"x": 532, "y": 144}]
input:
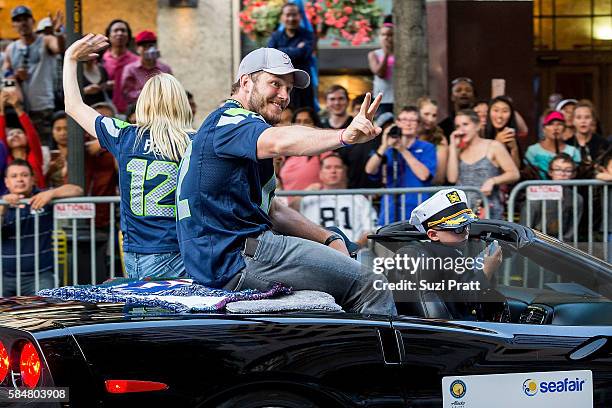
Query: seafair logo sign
[
  {"x": 530, "y": 387},
  {"x": 558, "y": 389}
]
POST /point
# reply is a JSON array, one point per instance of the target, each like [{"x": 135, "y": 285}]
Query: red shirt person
[{"x": 21, "y": 143}]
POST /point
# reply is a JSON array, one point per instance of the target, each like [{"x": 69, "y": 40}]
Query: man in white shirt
[{"x": 352, "y": 213}]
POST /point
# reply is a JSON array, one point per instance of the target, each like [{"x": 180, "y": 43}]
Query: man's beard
[{"x": 258, "y": 103}]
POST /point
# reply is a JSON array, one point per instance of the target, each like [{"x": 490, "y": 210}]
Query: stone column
[{"x": 199, "y": 44}]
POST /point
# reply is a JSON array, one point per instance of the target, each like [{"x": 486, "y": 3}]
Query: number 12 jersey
[{"x": 147, "y": 186}]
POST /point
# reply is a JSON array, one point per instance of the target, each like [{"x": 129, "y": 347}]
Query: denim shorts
[{"x": 155, "y": 266}]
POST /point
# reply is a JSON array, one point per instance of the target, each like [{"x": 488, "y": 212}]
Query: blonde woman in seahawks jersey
[{"x": 148, "y": 155}]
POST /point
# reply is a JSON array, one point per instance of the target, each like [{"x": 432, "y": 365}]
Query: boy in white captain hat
[{"x": 445, "y": 217}]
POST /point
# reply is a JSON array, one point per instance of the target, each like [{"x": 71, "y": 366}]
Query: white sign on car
[{"x": 559, "y": 389}]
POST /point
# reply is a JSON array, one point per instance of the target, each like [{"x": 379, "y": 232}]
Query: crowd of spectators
[{"x": 481, "y": 143}]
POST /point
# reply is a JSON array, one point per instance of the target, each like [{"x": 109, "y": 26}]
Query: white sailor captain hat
[{"x": 446, "y": 209}]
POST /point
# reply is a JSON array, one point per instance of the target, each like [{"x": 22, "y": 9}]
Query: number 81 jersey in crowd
[
  {"x": 147, "y": 185},
  {"x": 353, "y": 214}
]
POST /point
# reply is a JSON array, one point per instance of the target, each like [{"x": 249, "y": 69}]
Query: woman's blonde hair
[{"x": 163, "y": 109}]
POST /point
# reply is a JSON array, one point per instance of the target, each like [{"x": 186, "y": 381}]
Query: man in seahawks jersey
[{"x": 232, "y": 232}]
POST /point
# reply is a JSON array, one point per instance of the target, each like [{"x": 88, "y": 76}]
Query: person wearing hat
[
  {"x": 45, "y": 26},
  {"x": 31, "y": 60},
  {"x": 567, "y": 107},
  {"x": 136, "y": 74},
  {"x": 232, "y": 232},
  {"x": 445, "y": 218},
  {"x": 540, "y": 154}
]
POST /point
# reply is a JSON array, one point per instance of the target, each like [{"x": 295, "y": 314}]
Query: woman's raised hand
[{"x": 87, "y": 48}]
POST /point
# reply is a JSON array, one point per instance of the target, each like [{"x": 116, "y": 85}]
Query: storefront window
[{"x": 584, "y": 25}]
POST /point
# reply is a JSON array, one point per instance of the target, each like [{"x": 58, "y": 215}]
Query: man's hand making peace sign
[{"x": 362, "y": 128}]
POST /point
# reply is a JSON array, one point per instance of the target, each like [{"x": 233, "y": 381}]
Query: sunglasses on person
[
  {"x": 458, "y": 230},
  {"x": 462, "y": 79},
  {"x": 563, "y": 171}
]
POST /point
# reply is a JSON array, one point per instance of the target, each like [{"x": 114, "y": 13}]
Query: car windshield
[{"x": 547, "y": 265}]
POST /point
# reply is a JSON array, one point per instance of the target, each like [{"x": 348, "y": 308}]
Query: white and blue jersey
[
  {"x": 147, "y": 187},
  {"x": 224, "y": 194}
]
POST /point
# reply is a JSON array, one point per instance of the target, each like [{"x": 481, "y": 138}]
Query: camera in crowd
[
  {"x": 8, "y": 82},
  {"x": 394, "y": 132}
]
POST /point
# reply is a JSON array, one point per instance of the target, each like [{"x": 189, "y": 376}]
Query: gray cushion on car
[{"x": 301, "y": 300}]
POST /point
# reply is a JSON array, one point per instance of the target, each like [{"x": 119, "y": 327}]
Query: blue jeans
[
  {"x": 28, "y": 284},
  {"x": 307, "y": 265},
  {"x": 167, "y": 265}
]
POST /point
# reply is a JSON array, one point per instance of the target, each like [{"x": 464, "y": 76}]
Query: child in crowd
[{"x": 561, "y": 167}]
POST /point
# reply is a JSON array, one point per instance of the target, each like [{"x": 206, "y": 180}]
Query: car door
[{"x": 560, "y": 305}]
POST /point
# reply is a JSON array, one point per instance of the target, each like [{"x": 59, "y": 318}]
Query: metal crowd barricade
[
  {"x": 61, "y": 249},
  {"x": 574, "y": 184},
  {"x": 59, "y": 244},
  {"x": 384, "y": 192}
]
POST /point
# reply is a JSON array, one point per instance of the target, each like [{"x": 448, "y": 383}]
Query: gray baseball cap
[{"x": 273, "y": 62}]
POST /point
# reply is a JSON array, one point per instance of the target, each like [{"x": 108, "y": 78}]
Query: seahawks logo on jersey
[{"x": 234, "y": 116}]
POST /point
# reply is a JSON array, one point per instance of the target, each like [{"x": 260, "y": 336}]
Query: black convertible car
[{"x": 556, "y": 318}]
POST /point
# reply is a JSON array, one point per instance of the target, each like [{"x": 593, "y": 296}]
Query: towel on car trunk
[{"x": 178, "y": 295}]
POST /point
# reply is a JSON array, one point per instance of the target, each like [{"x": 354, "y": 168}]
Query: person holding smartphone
[
  {"x": 22, "y": 142},
  {"x": 502, "y": 126},
  {"x": 474, "y": 161},
  {"x": 31, "y": 60},
  {"x": 136, "y": 74}
]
